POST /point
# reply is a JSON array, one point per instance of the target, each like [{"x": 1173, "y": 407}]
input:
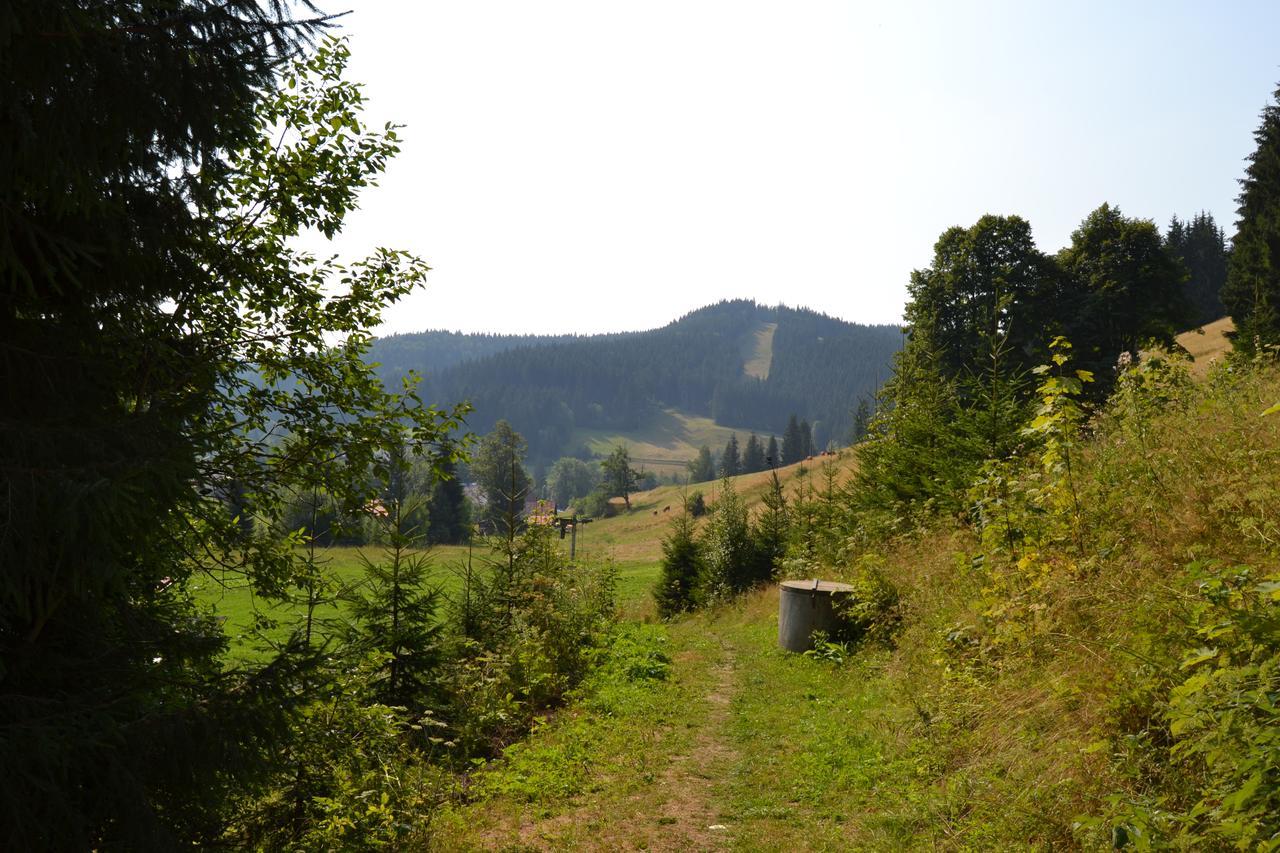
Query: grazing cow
[
  {"x": 667, "y": 508},
  {"x": 655, "y": 512}
]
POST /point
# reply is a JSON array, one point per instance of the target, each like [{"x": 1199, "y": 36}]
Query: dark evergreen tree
[
  {"x": 753, "y": 455},
  {"x": 730, "y": 460},
  {"x": 448, "y": 515},
  {"x": 772, "y": 455},
  {"x": 1252, "y": 290},
  {"x": 1202, "y": 247},
  {"x": 861, "y": 421},
  {"x": 771, "y": 532},
  {"x": 702, "y": 468},
  {"x": 395, "y": 614},
  {"x": 682, "y": 566},
  {"x": 806, "y": 439},
  {"x": 793, "y": 444}
]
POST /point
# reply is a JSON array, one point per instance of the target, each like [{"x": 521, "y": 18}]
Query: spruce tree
[
  {"x": 728, "y": 545},
  {"x": 753, "y": 455},
  {"x": 1252, "y": 290},
  {"x": 861, "y": 421},
  {"x": 771, "y": 532},
  {"x": 793, "y": 442},
  {"x": 730, "y": 461},
  {"x": 448, "y": 516},
  {"x": 1201, "y": 246},
  {"x": 395, "y": 614},
  {"x": 682, "y": 566},
  {"x": 1123, "y": 288},
  {"x": 806, "y": 439},
  {"x": 498, "y": 466},
  {"x": 772, "y": 455}
]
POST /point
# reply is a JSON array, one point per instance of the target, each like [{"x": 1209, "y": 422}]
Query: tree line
[{"x": 547, "y": 388}]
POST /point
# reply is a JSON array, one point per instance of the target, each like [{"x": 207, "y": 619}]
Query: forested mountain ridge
[{"x": 816, "y": 366}]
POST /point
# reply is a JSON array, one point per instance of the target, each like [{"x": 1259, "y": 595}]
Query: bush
[
  {"x": 596, "y": 504},
  {"x": 728, "y": 547},
  {"x": 1223, "y": 719},
  {"x": 682, "y": 567},
  {"x": 697, "y": 505}
]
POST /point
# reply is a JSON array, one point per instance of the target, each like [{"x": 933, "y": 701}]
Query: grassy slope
[
  {"x": 231, "y": 597},
  {"x": 636, "y": 537},
  {"x": 1207, "y": 345},
  {"x": 665, "y": 444},
  {"x": 1042, "y": 709},
  {"x": 757, "y": 362}
]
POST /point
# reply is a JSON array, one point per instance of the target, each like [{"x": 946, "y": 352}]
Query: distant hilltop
[{"x": 743, "y": 365}]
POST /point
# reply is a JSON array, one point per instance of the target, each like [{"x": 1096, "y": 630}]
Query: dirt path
[
  {"x": 689, "y": 781},
  {"x": 678, "y": 809}
]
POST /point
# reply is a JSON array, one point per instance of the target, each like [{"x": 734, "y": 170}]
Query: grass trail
[{"x": 742, "y": 747}]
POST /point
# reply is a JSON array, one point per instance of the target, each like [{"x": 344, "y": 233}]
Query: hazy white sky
[{"x": 600, "y": 166}]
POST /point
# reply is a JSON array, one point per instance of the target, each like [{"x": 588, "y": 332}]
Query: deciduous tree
[
  {"x": 158, "y": 335},
  {"x": 702, "y": 468},
  {"x": 619, "y": 476}
]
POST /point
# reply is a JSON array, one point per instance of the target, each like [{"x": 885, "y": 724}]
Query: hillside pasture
[
  {"x": 1207, "y": 345},
  {"x": 636, "y": 536},
  {"x": 664, "y": 444}
]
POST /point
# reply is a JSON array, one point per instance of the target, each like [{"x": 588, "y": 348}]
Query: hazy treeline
[{"x": 548, "y": 389}]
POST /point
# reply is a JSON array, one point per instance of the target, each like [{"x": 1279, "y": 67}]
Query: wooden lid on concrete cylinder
[{"x": 806, "y": 606}]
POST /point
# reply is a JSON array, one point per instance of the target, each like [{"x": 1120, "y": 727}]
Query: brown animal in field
[
  {"x": 655, "y": 512},
  {"x": 667, "y": 508}
]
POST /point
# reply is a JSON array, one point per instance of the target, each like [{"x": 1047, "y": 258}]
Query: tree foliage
[
  {"x": 396, "y": 615},
  {"x": 571, "y": 478},
  {"x": 731, "y": 459},
  {"x": 728, "y": 546},
  {"x": 619, "y": 478},
  {"x": 1252, "y": 290},
  {"x": 702, "y": 468},
  {"x": 682, "y": 566},
  {"x": 1201, "y": 246},
  {"x": 753, "y": 455},
  {"x": 159, "y": 334},
  {"x": 498, "y": 467},
  {"x": 1124, "y": 290},
  {"x": 448, "y": 513}
]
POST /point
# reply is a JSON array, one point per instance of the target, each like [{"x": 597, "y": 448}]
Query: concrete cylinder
[{"x": 807, "y": 606}]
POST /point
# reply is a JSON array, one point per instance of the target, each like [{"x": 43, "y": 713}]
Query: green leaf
[{"x": 1199, "y": 656}]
